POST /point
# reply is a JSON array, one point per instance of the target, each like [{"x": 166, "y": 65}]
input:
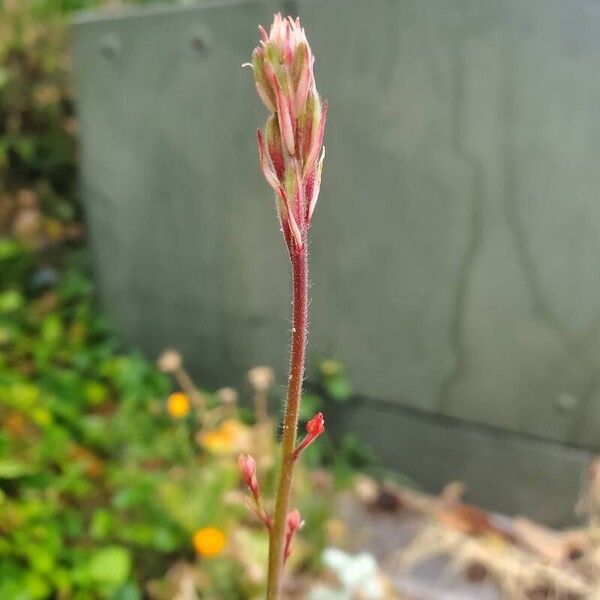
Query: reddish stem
[
  {"x": 299, "y": 260},
  {"x": 307, "y": 441}
]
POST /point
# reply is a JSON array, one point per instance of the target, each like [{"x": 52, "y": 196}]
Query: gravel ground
[{"x": 386, "y": 534}]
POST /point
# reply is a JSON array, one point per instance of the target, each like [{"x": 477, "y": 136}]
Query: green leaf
[
  {"x": 12, "y": 469},
  {"x": 110, "y": 565},
  {"x": 9, "y": 249},
  {"x": 10, "y": 301},
  {"x": 52, "y": 329}
]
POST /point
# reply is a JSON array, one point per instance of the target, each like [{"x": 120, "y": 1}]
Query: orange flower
[
  {"x": 208, "y": 541},
  {"x": 178, "y": 405}
]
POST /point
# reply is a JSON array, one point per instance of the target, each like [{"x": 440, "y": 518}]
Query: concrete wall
[{"x": 455, "y": 252}]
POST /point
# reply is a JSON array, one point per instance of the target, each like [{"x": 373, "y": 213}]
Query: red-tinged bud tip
[
  {"x": 316, "y": 426},
  {"x": 247, "y": 467},
  {"x": 294, "y": 522}
]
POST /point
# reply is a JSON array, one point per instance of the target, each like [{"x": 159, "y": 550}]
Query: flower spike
[
  {"x": 291, "y": 155},
  {"x": 293, "y": 139}
]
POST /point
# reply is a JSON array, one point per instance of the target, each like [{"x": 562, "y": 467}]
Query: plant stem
[
  {"x": 299, "y": 260},
  {"x": 187, "y": 385}
]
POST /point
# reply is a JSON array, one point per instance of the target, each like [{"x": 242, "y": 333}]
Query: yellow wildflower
[
  {"x": 231, "y": 436},
  {"x": 178, "y": 405},
  {"x": 208, "y": 541}
]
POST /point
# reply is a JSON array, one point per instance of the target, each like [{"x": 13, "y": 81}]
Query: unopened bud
[
  {"x": 293, "y": 523},
  {"x": 274, "y": 147},
  {"x": 302, "y": 74},
  {"x": 262, "y": 85},
  {"x": 316, "y": 426},
  {"x": 247, "y": 467},
  {"x": 293, "y": 138}
]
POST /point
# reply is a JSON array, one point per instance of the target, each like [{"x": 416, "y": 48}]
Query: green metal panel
[
  {"x": 181, "y": 222},
  {"x": 455, "y": 246},
  {"x": 504, "y": 472},
  {"x": 463, "y": 181}
]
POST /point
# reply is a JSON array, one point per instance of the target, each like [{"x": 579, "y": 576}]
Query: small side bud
[
  {"x": 285, "y": 120},
  {"x": 247, "y": 467},
  {"x": 317, "y": 133},
  {"x": 273, "y": 135},
  {"x": 294, "y": 522},
  {"x": 263, "y": 88},
  {"x": 302, "y": 75},
  {"x": 315, "y": 188},
  {"x": 267, "y": 169},
  {"x": 314, "y": 428}
]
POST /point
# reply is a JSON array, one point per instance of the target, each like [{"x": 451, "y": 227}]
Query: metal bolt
[
  {"x": 567, "y": 403},
  {"x": 200, "y": 42},
  {"x": 110, "y": 45}
]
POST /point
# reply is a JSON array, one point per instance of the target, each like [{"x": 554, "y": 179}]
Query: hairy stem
[{"x": 299, "y": 261}]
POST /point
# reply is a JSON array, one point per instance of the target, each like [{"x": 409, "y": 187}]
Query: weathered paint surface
[{"x": 456, "y": 244}]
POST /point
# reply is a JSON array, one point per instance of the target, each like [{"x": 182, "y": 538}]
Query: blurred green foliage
[
  {"x": 83, "y": 443},
  {"x": 92, "y": 472},
  {"x": 348, "y": 455},
  {"x": 38, "y": 128},
  {"x": 37, "y": 125},
  {"x": 101, "y": 490}
]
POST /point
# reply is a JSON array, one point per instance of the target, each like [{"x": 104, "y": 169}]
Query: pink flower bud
[
  {"x": 260, "y": 79},
  {"x": 293, "y": 140},
  {"x": 294, "y": 521},
  {"x": 302, "y": 75},
  {"x": 247, "y": 467},
  {"x": 285, "y": 119},
  {"x": 313, "y": 191},
  {"x": 316, "y": 426},
  {"x": 274, "y": 147},
  {"x": 293, "y": 524},
  {"x": 285, "y": 203},
  {"x": 267, "y": 169},
  {"x": 315, "y": 140}
]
